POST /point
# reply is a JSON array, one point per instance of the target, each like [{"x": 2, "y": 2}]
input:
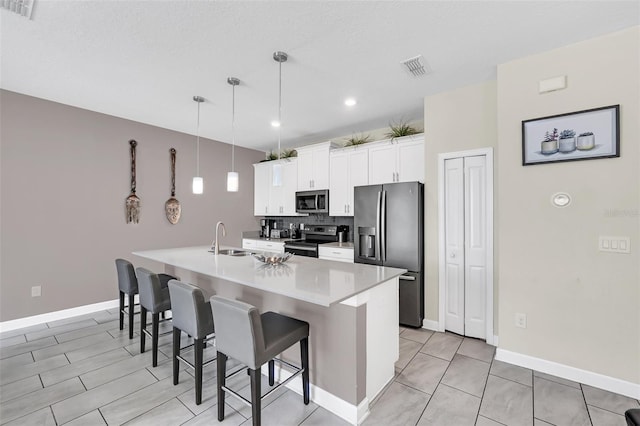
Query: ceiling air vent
[
  {"x": 416, "y": 66},
  {"x": 21, "y": 7}
]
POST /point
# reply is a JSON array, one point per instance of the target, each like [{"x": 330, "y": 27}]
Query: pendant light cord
[
  {"x": 198, "y": 142},
  {"x": 233, "y": 128},
  {"x": 279, "y": 108}
]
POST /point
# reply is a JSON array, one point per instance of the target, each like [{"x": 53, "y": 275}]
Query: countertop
[{"x": 312, "y": 280}]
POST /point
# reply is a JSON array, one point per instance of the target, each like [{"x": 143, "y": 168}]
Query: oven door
[{"x": 301, "y": 249}]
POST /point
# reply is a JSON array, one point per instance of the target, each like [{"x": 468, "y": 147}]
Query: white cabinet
[
  {"x": 400, "y": 160},
  {"x": 348, "y": 169},
  {"x": 279, "y": 199},
  {"x": 313, "y": 166},
  {"x": 340, "y": 254},
  {"x": 249, "y": 244}
]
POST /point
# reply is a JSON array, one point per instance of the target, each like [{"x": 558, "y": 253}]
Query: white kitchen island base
[{"x": 352, "y": 310}]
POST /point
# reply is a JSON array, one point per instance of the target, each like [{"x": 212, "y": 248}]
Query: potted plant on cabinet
[
  {"x": 357, "y": 140},
  {"x": 399, "y": 129},
  {"x": 549, "y": 144},
  {"x": 567, "y": 142},
  {"x": 586, "y": 141}
]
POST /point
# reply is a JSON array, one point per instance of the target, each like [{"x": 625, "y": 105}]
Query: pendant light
[
  {"x": 232, "y": 176},
  {"x": 279, "y": 57},
  {"x": 198, "y": 182}
]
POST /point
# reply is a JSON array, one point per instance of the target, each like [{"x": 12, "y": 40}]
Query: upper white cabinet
[
  {"x": 278, "y": 199},
  {"x": 348, "y": 169},
  {"x": 313, "y": 166},
  {"x": 400, "y": 160}
]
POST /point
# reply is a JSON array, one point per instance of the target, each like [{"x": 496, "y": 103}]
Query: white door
[
  {"x": 411, "y": 161},
  {"x": 466, "y": 245},
  {"x": 382, "y": 164},
  {"x": 339, "y": 185}
]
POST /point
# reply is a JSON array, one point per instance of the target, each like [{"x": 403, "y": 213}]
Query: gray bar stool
[
  {"x": 632, "y": 416},
  {"x": 254, "y": 339},
  {"x": 154, "y": 298},
  {"x": 191, "y": 313},
  {"x": 128, "y": 286}
]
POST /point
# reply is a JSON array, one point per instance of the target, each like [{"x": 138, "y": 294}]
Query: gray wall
[{"x": 64, "y": 178}]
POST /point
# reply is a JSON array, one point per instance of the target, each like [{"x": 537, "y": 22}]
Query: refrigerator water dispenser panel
[{"x": 367, "y": 246}]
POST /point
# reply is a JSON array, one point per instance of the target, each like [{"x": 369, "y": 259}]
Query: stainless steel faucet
[{"x": 215, "y": 246}]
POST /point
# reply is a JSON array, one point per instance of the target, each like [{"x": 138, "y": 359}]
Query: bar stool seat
[
  {"x": 254, "y": 339},
  {"x": 154, "y": 298},
  {"x": 128, "y": 287},
  {"x": 191, "y": 313},
  {"x": 633, "y": 417}
]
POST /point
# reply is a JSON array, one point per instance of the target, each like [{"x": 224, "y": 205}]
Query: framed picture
[{"x": 582, "y": 135}]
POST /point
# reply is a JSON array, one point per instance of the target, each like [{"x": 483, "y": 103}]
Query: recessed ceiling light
[
  {"x": 275, "y": 123},
  {"x": 350, "y": 102}
]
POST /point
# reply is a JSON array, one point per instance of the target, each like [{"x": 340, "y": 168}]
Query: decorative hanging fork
[
  {"x": 132, "y": 203},
  {"x": 172, "y": 206}
]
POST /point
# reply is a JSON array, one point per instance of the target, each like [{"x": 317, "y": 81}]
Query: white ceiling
[{"x": 144, "y": 60}]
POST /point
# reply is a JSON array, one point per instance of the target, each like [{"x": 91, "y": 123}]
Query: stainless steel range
[{"x": 312, "y": 236}]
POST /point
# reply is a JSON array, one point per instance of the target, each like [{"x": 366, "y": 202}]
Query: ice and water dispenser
[{"x": 367, "y": 240}]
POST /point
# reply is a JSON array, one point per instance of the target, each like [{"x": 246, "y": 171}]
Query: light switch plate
[
  {"x": 36, "y": 291},
  {"x": 614, "y": 244}
]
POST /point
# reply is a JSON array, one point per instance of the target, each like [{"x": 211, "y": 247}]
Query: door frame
[{"x": 488, "y": 153}]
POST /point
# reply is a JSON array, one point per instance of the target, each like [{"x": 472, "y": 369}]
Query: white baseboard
[
  {"x": 632, "y": 390},
  {"x": 431, "y": 325},
  {"x": 57, "y": 315},
  {"x": 338, "y": 406}
]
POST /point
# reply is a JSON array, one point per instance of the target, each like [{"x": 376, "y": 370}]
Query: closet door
[{"x": 454, "y": 245}]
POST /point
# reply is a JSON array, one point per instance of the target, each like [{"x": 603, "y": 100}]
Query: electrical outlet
[
  {"x": 521, "y": 320},
  {"x": 36, "y": 291}
]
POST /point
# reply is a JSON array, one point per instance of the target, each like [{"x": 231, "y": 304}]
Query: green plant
[
  {"x": 548, "y": 137},
  {"x": 357, "y": 140},
  {"x": 400, "y": 128},
  {"x": 567, "y": 133},
  {"x": 285, "y": 153},
  {"x": 586, "y": 134}
]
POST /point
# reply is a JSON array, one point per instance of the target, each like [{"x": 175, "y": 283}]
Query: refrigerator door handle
[
  {"x": 383, "y": 227},
  {"x": 378, "y": 225}
]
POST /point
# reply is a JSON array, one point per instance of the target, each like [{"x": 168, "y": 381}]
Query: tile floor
[{"x": 84, "y": 371}]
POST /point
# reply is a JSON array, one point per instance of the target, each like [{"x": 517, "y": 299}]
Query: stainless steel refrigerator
[{"x": 389, "y": 231}]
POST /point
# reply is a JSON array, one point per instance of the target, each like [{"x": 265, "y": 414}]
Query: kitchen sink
[{"x": 235, "y": 252}]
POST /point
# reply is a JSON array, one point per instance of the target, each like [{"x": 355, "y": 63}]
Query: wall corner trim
[
  {"x": 57, "y": 315},
  {"x": 622, "y": 387}
]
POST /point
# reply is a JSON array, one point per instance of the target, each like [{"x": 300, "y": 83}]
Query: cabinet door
[
  {"x": 411, "y": 161},
  {"x": 321, "y": 168},
  {"x": 289, "y": 188},
  {"x": 305, "y": 170},
  {"x": 382, "y": 164},
  {"x": 261, "y": 188},
  {"x": 358, "y": 174},
  {"x": 339, "y": 187}
]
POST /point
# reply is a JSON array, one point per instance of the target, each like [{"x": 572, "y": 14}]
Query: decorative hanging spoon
[{"x": 172, "y": 206}]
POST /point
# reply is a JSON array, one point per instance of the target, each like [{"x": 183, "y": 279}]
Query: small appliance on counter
[
  {"x": 266, "y": 225},
  {"x": 279, "y": 233},
  {"x": 343, "y": 233}
]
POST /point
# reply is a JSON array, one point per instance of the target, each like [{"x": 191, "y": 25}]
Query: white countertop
[{"x": 304, "y": 278}]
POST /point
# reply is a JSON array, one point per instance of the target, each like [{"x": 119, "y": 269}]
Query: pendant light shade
[
  {"x": 233, "y": 180},
  {"x": 276, "y": 174},
  {"x": 198, "y": 183}
]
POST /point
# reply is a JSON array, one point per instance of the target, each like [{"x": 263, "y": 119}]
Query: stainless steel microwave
[{"x": 312, "y": 201}]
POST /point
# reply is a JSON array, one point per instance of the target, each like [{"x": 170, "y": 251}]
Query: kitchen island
[{"x": 352, "y": 310}]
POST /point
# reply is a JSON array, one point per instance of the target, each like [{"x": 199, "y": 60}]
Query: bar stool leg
[
  {"x": 121, "y": 310},
  {"x": 272, "y": 364},
  {"x": 177, "y": 333},
  {"x": 154, "y": 338},
  {"x": 143, "y": 327},
  {"x": 221, "y": 366},
  {"x": 255, "y": 395},
  {"x": 304, "y": 355},
  {"x": 198, "y": 347},
  {"x": 131, "y": 312}
]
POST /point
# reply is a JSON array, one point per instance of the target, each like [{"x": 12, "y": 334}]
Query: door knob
[{"x": 453, "y": 255}]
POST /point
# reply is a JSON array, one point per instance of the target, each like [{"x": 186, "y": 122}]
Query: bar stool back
[
  {"x": 192, "y": 314},
  {"x": 127, "y": 286},
  {"x": 254, "y": 339},
  {"x": 154, "y": 298}
]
